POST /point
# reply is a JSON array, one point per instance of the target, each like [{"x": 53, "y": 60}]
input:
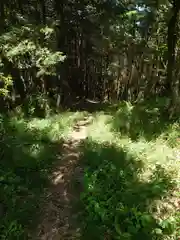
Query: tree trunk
[
  {"x": 172, "y": 84},
  {"x": 43, "y": 11},
  {"x": 2, "y": 15},
  {"x": 171, "y": 41}
]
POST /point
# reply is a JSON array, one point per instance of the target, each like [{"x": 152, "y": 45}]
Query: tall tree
[{"x": 172, "y": 85}]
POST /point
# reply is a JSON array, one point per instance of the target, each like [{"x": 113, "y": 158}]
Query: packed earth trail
[{"x": 59, "y": 219}]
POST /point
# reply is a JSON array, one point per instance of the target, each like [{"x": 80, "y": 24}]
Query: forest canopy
[{"x": 104, "y": 50}]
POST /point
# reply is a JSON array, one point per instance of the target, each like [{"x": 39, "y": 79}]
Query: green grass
[
  {"x": 132, "y": 176},
  {"x": 29, "y": 150},
  {"x": 132, "y": 180}
]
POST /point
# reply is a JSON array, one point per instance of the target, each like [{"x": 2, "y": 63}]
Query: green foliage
[
  {"x": 25, "y": 48},
  {"x": 146, "y": 119},
  {"x": 46, "y": 61},
  {"x": 131, "y": 180},
  {"x": 115, "y": 199},
  {"x": 29, "y": 150},
  {"x": 37, "y": 105},
  {"x": 27, "y": 58},
  {"x": 6, "y": 81}
]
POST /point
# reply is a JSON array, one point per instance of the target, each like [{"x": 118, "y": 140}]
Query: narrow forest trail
[{"x": 59, "y": 220}]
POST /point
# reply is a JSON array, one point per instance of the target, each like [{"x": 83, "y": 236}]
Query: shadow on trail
[
  {"x": 116, "y": 202},
  {"x": 27, "y": 159}
]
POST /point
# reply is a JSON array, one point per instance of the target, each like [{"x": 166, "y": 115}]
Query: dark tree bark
[
  {"x": 171, "y": 41},
  {"x": 2, "y": 14},
  {"x": 43, "y": 11}
]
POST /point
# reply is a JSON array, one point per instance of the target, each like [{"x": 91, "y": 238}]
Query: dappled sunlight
[
  {"x": 30, "y": 156},
  {"x": 30, "y": 166},
  {"x": 131, "y": 184},
  {"x": 89, "y": 120},
  {"x": 116, "y": 199},
  {"x": 80, "y": 177},
  {"x": 58, "y": 214},
  {"x": 100, "y": 129},
  {"x": 56, "y": 126},
  {"x": 140, "y": 120}
]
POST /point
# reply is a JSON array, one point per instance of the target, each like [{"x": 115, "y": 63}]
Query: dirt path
[{"x": 59, "y": 221}]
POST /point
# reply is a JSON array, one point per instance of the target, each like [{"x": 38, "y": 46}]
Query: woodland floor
[
  {"x": 112, "y": 172},
  {"x": 59, "y": 220}
]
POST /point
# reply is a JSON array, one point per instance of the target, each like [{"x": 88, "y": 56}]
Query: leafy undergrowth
[
  {"x": 29, "y": 149},
  {"x": 132, "y": 179}
]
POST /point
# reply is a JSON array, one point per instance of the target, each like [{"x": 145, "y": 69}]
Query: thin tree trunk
[
  {"x": 172, "y": 84},
  {"x": 2, "y": 15},
  {"x": 43, "y": 11},
  {"x": 172, "y": 40}
]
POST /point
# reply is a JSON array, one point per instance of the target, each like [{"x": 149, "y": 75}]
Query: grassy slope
[
  {"x": 132, "y": 180},
  {"x": 29, "y": 149},
  {"x": 132, "y": 156}
]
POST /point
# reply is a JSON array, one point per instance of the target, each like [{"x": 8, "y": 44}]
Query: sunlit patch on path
[{"x": 58, "y": 221}]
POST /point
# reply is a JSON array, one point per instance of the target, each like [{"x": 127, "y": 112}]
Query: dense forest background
[
  {"x": 103, "y": 50},
  {"x": 89, "y": 119}
]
